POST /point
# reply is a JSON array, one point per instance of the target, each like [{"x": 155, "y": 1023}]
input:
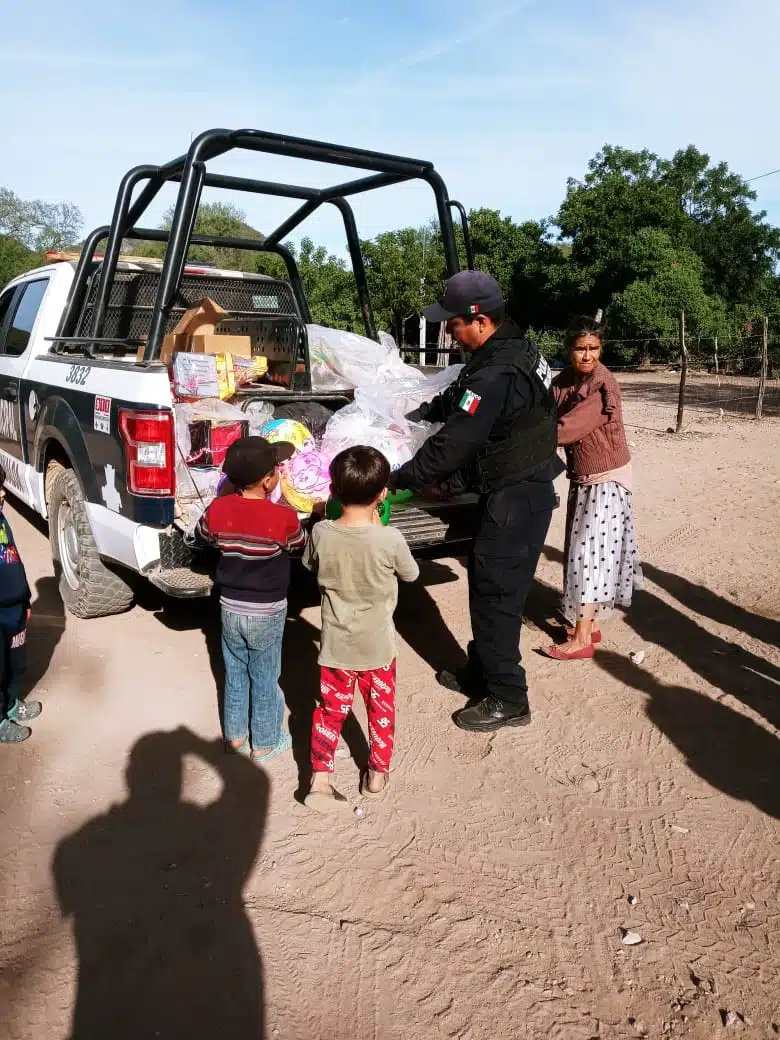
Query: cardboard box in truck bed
[{"x": 195, "y": 334}]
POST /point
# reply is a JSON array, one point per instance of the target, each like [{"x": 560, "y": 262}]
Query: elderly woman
[{"x": 601, "y": 561}]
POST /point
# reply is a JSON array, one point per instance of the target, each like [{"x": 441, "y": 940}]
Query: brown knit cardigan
[{"x": 590, "y": 421}]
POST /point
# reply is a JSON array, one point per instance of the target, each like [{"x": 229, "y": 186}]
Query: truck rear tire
[{"x": 89, "y": 588}]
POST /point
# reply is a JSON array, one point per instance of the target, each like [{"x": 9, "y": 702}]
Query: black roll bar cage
[{"x": 190, "y": 171}]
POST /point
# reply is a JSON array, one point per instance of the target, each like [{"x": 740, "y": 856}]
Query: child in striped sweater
[{"x": 254, "y": 537}]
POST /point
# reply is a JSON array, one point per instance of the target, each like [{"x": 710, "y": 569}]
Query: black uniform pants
[
  {"x": 502, "y": 565},
  {"x": 13, "y": 655}
]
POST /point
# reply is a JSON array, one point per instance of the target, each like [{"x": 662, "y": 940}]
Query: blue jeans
[{"x": 252, "y": 650}]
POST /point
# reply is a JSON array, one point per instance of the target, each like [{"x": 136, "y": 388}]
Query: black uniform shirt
[{"x": 469, "y": 411}]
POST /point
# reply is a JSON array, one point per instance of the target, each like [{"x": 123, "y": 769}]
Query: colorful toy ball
[
  {"x": 305, "y": 478},
  {"x": 286, "y": 430}
]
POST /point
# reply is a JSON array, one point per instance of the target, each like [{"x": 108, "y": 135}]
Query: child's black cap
[{"x": 250, "y": 459}]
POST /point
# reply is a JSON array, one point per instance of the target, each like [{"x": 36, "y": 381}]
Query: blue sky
[{"x": 507, "y": 97}]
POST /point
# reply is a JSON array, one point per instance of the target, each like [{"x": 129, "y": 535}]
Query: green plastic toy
[
  {"x": 333, "y": 506},
  {"x": 333, "y": 510},
  {"x": 396, "y": 498}
]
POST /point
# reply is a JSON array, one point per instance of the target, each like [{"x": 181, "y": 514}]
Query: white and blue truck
[{"x": 87, "y": 426}]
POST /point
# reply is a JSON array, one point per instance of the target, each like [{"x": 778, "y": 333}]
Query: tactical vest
[{"x": 521, "y": 443}]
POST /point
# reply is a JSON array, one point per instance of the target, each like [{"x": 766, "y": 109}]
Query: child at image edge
[
  {"x": 356, "y": 561},
  {"x": 14, "y": 615},
  {"x": 255, "y": 538}
]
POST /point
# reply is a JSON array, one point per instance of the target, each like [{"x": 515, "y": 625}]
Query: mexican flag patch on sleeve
[{"x": 470, "y": 402}]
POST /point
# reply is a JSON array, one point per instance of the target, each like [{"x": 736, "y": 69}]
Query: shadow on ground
[
  {"x": 154, "y": 890},
  {"x": 703, "y": 601},
  {"x": 724, "y": 664},
  {"x": 724, "y": 747},
  {"x": 45, "y": 630}
]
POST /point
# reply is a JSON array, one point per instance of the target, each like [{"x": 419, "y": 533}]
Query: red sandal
[
  {"x": 595, "y": 637},
  {"x": 558, "y": 653}
]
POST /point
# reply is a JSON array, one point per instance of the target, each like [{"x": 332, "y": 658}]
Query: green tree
[
  {"x": 650, "y": 235},
  {"x": 528, "y": 265},
  {"x": 329, "y": 286},
  {"x": 272, "y": 264},
  {"x": 214, "y": 218},
  {"x": 15, "y": 259},
  {"x": 499, "y": 244},
  {"x": 405, "y": 271},
  {"x": 738, "y": 248},
  {"x": 621, "y": 194},
  {"x": 668, "y": 280},
  {"x": 39, "y": 225}
]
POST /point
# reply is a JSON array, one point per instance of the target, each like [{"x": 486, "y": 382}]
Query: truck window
[
  {"x": 18, "y": 334},
  {"x": 5, "y": 304}
]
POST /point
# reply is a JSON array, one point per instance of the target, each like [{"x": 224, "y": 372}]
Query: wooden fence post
[
  {"x": 764, "y": 369},
  {"x": 683, "y": 373}
]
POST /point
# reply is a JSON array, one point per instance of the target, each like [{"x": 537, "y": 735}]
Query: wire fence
[
  {"x": 734, "y": 386},
  {"x": 734, "y": 375},
  {"x": 715, "y": 376},
  {"x": 706, "y": 396},
  {"x": 743, "y": 380}
]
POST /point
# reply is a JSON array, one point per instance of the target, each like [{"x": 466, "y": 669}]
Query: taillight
[{"x": 149, "y": 445}]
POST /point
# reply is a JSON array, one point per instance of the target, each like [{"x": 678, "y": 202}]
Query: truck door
[{"x": 19, "y": 307}]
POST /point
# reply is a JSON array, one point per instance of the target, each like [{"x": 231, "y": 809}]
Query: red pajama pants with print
[{"x": 337, "y": 691}]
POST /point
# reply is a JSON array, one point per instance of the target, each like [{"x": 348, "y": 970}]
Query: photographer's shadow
[{"x": 154, "y": 888}]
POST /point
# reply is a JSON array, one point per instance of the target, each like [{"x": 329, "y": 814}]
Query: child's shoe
[
  {"x": 372, "y": 787},
  {"x": 25, "y": 711},
  {"x": 325, "y": 799},
  {"x": 11, "y": 733}
]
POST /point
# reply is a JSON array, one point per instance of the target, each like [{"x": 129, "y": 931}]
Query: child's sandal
[
  {"x": 242, "y": 749},
  {"x": 366, "y": 791},
  {"x": 326, "y": 802},
  {"x": 284, "y": 744}
]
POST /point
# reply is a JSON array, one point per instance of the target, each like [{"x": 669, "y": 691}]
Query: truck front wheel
[{"x": 89, "y": 589}]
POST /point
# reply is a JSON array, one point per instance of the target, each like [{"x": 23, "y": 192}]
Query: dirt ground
[{"x": 184, "y": 893}]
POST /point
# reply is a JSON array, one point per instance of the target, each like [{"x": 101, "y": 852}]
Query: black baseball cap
[
  {"x": 250, "y": 459},
  {"x": 466, "y": 294}
]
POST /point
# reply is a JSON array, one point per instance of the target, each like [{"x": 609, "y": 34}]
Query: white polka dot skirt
[{"x": 602, "y": 566}]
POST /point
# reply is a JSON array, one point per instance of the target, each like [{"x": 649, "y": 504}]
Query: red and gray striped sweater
[{"x": 255, "y": 538}]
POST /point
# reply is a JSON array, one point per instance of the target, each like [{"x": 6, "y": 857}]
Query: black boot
[
  {"x": 466, "y": 680},
  {"x": 491, "y": 714},
  {"x": 450, "y": 681}
]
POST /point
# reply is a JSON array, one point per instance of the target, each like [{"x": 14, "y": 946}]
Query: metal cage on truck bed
[
  {"x": 93, "y": 320},
  {"x": 260, "y": 307},
  {"x": 130, "y": 303}
]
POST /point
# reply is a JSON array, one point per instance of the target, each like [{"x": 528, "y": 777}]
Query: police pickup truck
[{"x": 87, "y": 430}]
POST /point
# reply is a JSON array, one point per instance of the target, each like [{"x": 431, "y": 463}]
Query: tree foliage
[
  {"x": 651, "y": 236},
  {"x": 405, "y": 271},
  {"x": 527, "y": 263},
  {"x": 15, "y": 259},
  {"x": 29, "y": 227},
  {"x": 39, "y": 225},
  {"x": 329, "y": 287},
  {"x": 667, "y": 280},
  {"x": 219, "y": 219},
  {"x": 641, "y": 237}
]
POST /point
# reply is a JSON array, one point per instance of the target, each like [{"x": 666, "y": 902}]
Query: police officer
[{"x": 498, "y": 439}]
